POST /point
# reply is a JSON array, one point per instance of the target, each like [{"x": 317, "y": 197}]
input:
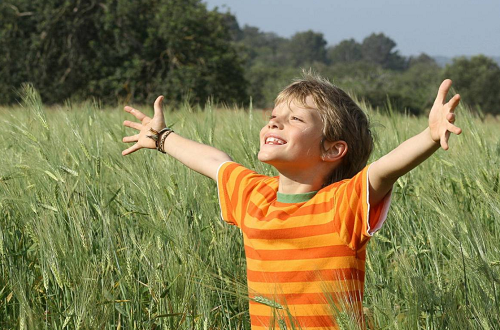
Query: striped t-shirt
[{"x": 305, "y": 258}]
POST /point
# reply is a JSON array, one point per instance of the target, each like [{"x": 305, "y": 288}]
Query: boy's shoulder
[
  {"x": 238, "y": 176},
  {"x": 232, "y": 168},
  {"x": 356, "y": 178}
]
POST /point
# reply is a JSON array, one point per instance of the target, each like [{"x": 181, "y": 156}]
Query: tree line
[
  {"x": 118, "y": 51},
  {"x": 371, "y": 69},
  {"x": 132, "y": 51}
]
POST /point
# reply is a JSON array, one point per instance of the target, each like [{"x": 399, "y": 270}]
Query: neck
[{"x": 303, "y": 181}]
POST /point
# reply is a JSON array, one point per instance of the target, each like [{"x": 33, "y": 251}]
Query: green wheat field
[{"x": 90, "y": 239}]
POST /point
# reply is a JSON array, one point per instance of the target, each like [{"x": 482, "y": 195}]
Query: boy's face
[{"x": 292, "y": 137}]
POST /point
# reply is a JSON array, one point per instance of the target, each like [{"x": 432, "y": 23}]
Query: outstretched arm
[
  {"x": 385, "y": 171},
  {"x": 202, "y": 158}
]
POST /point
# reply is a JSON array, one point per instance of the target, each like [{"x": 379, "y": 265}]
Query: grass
[{"x": 93, "y": 240}]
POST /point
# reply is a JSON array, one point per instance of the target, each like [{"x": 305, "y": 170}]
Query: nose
[{"x": 275, "y": 123}]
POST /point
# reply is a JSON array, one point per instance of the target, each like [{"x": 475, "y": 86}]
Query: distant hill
[{"x": 443, "y": 60}]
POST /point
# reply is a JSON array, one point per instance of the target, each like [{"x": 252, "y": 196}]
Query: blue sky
[{"x": 438, "y": 27}]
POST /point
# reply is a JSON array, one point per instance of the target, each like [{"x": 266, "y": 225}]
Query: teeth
[{"x": 273, "y": 140}]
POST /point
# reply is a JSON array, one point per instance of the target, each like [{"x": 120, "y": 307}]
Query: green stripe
[{"x": 295, "y": 198}]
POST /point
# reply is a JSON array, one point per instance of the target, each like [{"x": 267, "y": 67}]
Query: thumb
[{"x": 159, "y": 107}]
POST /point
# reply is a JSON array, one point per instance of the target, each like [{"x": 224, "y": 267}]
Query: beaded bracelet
[{"x": 162, "y": 135}]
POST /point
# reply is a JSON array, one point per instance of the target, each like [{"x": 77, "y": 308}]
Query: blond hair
[{"x": 342, "y": 120}]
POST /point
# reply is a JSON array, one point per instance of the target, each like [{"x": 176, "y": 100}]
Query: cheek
[
  {"x": 262, "y": 132},
  {"x": 310, "y": 135},
  {"x": 314, "y": 142}
]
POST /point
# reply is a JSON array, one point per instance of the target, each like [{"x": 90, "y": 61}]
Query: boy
[{"x": 305, "y": 231}]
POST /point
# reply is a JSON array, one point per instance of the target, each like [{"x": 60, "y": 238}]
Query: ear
[{"x": 334, "y": 151}]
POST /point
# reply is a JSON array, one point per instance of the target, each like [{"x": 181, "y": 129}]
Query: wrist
[
  {"x": 162, "y": 136},
  {"x": 428, "y": 132},
  {"x": 433, "y": 143}
]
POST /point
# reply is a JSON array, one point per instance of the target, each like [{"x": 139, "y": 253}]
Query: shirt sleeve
[
  {"x": 356, "y": 220},
  {"x": 235, "y": 183}
]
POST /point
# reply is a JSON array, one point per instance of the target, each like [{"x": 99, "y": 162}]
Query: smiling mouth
[{"x": 275, "y": 141}]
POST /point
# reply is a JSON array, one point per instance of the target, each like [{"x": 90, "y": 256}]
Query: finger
[
  {"x": 443, "y": 91},
  {"x": 132, "y": 124},
  {"x": 130, "y": 150},
  {"x": 137, "y": 114},
  {"x": 451, "y": 117},
  {"x": 453, "y": 103},
  {"x": 132, "y": 138},
  {"x": 444, "y": 140},
  {"x": 454, "y": 129},
  {"x": 159, "y": 107}
]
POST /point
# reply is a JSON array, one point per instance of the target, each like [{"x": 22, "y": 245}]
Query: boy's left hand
[
  {"x": 385, "y": 171},
  {"x": 442, "y": 116}
]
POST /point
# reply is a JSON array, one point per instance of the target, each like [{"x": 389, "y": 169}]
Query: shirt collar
[{"x": 295, "y": 198}]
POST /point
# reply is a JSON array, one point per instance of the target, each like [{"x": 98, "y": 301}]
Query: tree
[
  {"x": 478, "y": 81},
  {"x": 377, "y": 48},
  {"x": 232, "y": 24},
  {"x": 346, "y": 51},
  {"x": 307, "y": 47},
  {"x": 13, "y": 45},
  {"x": 45, "y": 43},
  {"x": 111, "y": 50},
  {"x": 417, "y": 84},
  {"x": 423, "y": 58},
  {"x": 259, "y": 47}
]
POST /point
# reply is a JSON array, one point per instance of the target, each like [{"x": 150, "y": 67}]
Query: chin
[{"x": 261, "y": 157}]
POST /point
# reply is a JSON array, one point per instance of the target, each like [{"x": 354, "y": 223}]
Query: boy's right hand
[
  {"x": 199, "y": 157},
  {"x": 157, "y": 123}
]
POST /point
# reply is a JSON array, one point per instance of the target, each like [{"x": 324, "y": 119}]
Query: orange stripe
[
  {"x": 315, "y": 298},
  {"x": 305, "y": 242},
  {"x": 264, "y": 288},
  {"x": 226, "y": 211},
  {"x": 259, "y": 214},
  {"x": 293, "y": 210},
  {"x": 306, "y": 276},
  {"x": 354, "y": 199},
  {"x": 305, "y": 231},
  {"x": 296, "y": 310},
  {"x": 255, "y": 212},
  {"x": 303, "y": 321},
  {"x": 308, "y": 264},
  {"x": 375, "y": 214},
  {"x": 233, "y": 177},
  {"x": 344, "y": 220},
  {"x": 250, "y": 185},
  {"x": 299, "y": 298},
  {"x": 267, "y": 191},
  {"x": 324, "y": 308},
  {"x": 294, "y": 254}
]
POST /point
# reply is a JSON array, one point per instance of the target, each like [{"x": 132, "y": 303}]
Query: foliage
[
  {"x": 478, "y": 81},
  {"x": 379, "y": 49},
  {"x": 132, "y": 50},
  {"x": 93, "y": 240},
  {"x": 258, "y": 47},
  {"x": 373, "y": 70},
  {"x": 345, "y": 52},
  {"x": 306, "y": 48}
]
